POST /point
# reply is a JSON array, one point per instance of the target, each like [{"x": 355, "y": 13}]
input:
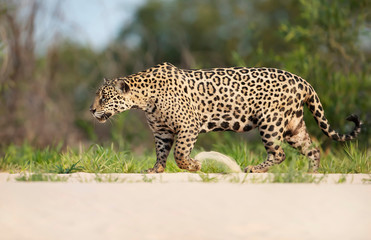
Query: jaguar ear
[
  {"x": 122, "y": 86},
  {"x": 105, "y": 80}
]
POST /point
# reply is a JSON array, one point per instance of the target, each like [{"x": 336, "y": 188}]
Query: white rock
[{"x": 231, "y": 163}]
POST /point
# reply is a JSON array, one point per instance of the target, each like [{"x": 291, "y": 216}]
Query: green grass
[
  {"x": 39, "y": 177},
  {"x": 98, "y": 159},
  {"x": 206, "y": 178},
  {"x": 349, "y": 159},
  {"x": 213, "y": 166}
]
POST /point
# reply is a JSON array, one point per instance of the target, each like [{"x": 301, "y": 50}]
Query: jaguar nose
[{"x": 92, "y": 110}]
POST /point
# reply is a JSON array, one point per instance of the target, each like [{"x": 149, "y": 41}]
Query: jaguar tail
[{"x": 318, "y": 113}]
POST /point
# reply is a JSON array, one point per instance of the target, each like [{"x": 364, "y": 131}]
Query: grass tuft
[
  {"x": 39, "y": 177},
  {"x": 205, "y": 177},
  {"x": 213, "y": 166}
]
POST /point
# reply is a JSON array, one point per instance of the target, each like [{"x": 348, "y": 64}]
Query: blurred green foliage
[
  {"x": 325, "y": 42},
  {"x": 318, "y": 40}
]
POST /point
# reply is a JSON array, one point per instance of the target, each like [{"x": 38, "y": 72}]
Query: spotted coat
[{"x": 185, "y": 103}]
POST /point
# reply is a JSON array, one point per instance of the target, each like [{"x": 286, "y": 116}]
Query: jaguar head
[{"x": 111, "y": 98}]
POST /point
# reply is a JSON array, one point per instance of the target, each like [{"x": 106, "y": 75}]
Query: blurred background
[{"x": 54, "y": 54}]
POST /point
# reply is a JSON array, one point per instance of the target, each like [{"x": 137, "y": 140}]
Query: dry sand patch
[{"x": 184, "y": 210}]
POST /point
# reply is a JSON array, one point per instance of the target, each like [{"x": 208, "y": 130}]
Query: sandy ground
[{"x": 180, "y": 209}]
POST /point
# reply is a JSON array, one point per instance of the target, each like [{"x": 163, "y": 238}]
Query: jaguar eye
[{"x": 102, "y": 100}]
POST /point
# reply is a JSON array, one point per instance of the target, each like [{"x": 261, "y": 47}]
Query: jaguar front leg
[
  {"x": 183, "y": 147},
  {"x": 164, "y": 139}
]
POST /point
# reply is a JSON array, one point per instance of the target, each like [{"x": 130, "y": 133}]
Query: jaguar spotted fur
[{"x": 185, "y": 103}]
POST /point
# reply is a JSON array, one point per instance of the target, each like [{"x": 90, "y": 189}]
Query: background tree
[{"x": 45, "y": 96}]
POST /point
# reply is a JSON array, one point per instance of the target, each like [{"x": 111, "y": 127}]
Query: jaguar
[{"x": 180, "y": 104}]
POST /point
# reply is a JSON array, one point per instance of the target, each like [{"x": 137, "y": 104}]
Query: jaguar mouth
[{"x": 104, "y": 117}]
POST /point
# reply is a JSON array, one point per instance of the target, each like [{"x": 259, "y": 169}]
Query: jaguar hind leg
[
  {"x": 275, "y": 156},
  {"x": 272, "y": 141},
  {"x": 297, "y": 136}
]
